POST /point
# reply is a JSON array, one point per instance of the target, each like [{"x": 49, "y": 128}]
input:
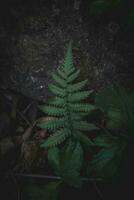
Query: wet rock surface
[{"x": 35, "y": 46}]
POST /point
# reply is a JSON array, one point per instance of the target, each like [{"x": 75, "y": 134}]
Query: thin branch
[
  {"x": 16, "y": 184},
  {"x": 27, "y": 107},
  {"x": 53, "y": 177},
  {"x": 100, "y": 195},
  {"x": 24, "y": 118}
]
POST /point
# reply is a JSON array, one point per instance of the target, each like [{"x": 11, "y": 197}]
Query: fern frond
[
  {"x": 77, "y": 86},
  {"x": 68, "y": 61},
  {"x": 66, "y": 105},
  {"x": 53, "y": 124},
  {"x": 77, "y": 116},
  {"x": 57, "y": 90},
  {"x": 57, "y": 138},
  {"x": 57, "y": 101},
  {"x": 83, "y": 139},
  {"x": 73, "y": 76},
  {"x": 62, "y": 73},
  {"x": 81, "y": 107},
  {"x": 70, "y": 71},
  {"x": 78, "y": 96},
  {"x": 67, "y": 122},
  {"x": 52, "y": 110},
  {"x": 59, "y": 80},
  {"x": 84, "y": 126}
]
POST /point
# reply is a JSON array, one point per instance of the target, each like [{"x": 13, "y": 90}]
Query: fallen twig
[{"x": 53, "y": 177}]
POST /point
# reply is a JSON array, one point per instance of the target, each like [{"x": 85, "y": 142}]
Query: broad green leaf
[
  {"x": 84, "y": 126},
  {"x": 54, "y": 158},
  {"x": 107, "y": 162},
  {"x": 83, "y": 139},
  {"x": 105, "y": 140},
  {"x": 71, "y": 163},
  {"x": 117, "y": 104}
]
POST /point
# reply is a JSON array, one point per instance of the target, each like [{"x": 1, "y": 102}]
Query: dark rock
[{"x": 38, "y": 42}]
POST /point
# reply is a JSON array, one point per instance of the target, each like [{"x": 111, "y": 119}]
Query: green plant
[
  {"x": 67, "y": 111},
  {"x": 66, "y": 108},
  {"x": 118, "y": 108},
  {"x": 117, "y": 105},
  {"x": 67, "y": 162}
]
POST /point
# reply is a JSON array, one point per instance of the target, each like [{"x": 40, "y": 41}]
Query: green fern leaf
[
  {"x": 77, "y": 86},
  {"x": 53, "y": 111},
  {"x": 84, "y": 126},
  {"x": 62, "y": 73},
  {"x": 59, "y": 80},
  {"x": 73, "y": 76},
  {"x": 53, "y": 124},
  {"x": 70, "y": 71},
  {"x": 82, "y": 107},
  {"x": 57, "y": 138},
  {"x": 68, "y": 62},
  {"x": 78, "y": 96},
  {"x": 57, "y": 90},
  {"x": 57, "y": 101}
]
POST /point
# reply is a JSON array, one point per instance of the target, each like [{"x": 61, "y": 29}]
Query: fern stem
[{"x": 69, "y": 121}]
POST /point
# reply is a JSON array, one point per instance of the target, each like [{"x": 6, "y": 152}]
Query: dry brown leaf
[
  {"x": 45, "y": 119},
  {"x": 42, "y": 134},
  {"x": 26, "y": 135}
]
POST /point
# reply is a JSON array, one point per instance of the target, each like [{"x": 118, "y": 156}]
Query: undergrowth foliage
[
  {"x": 67, "y": 107},
  {"x": 117, "y": 105}
]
